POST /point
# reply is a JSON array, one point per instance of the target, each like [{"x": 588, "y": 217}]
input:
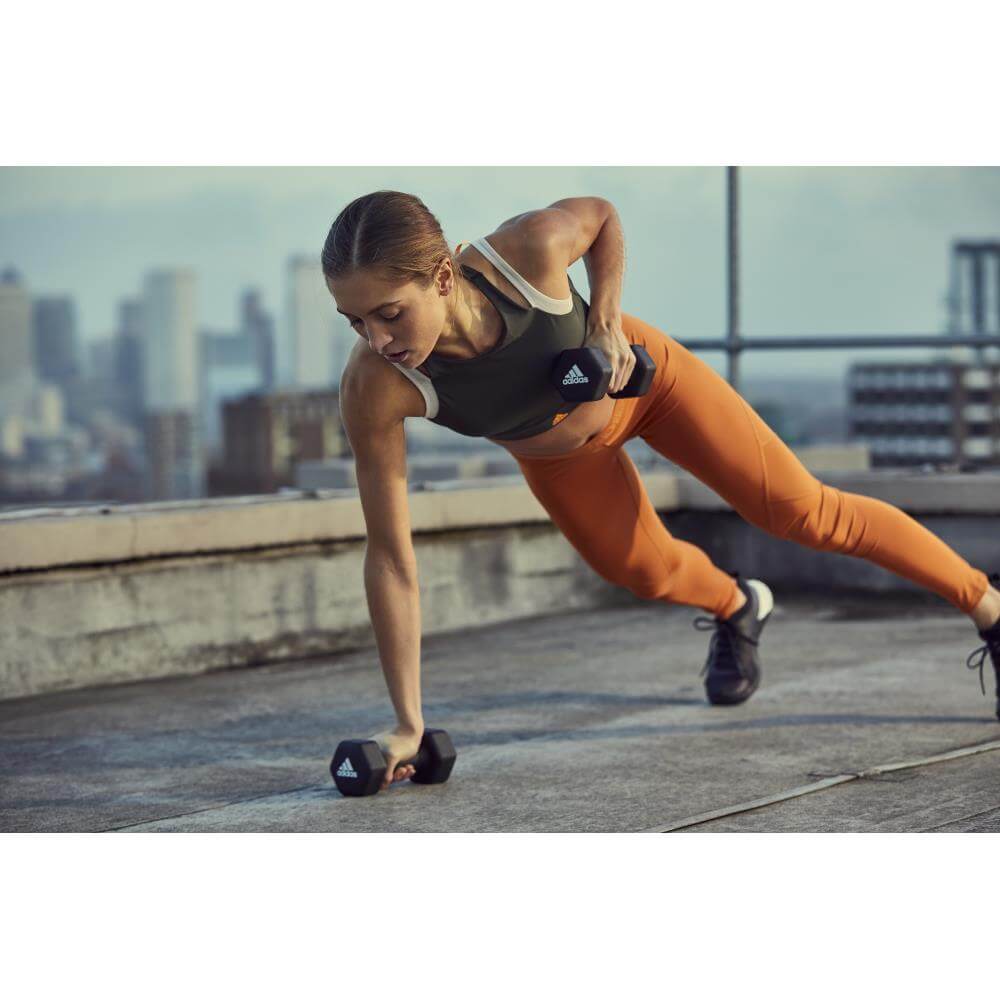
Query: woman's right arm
[{"x": 372, "y": 406}]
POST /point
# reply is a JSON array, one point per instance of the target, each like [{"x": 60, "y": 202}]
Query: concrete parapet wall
[
  {"x": 144, "y": 531},
  {"x": 159, "y": 618},
  {"x": 159, "y": 590}
]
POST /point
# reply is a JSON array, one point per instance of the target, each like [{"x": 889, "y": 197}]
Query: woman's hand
[
  {"x": 396, "y": 745},
  {"x": 604, "y": 331}
]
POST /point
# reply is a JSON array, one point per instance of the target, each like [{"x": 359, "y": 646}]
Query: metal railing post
[{"x": 733, "y": 282}]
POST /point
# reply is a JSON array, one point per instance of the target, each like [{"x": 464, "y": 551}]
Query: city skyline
[{"x": 824, "y": 250}]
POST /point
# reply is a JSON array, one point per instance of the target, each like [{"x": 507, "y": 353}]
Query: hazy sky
[{"x": 825, "y": 249}]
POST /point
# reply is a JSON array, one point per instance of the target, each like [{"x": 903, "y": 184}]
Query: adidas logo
[
  {"x": 574, "y": 376},
  {"x": 346, "y": 770}
]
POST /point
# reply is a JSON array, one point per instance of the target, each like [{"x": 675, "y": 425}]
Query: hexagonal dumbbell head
[
  {"x": 435, "y": 759},
  {"x": 358, "y": 767},
  {"x": 581, "y": 374}
]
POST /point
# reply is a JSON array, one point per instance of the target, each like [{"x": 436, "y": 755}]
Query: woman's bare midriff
[{"x": 583, "y": 424}]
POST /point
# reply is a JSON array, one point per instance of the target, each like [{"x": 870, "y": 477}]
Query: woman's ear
[{"x": 444, "y": 277}]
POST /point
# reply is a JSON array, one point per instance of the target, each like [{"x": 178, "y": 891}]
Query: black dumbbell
[
  {"x": 583, "y": 374},
  {"x": 358, "y": 766}
]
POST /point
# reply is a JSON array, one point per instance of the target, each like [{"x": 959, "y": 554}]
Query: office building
[
  {"x": 312, "y": 352},
  {"x": 16, "y": 354},
  {"x": 55, "y": 339},
  {"x": 170, "y": 376},
  {"x": 128, "y": 360},
  {"x": 257, "y": 325},
  {"x": 267, "y": 436},
  {"x": 941, "y": 413}
]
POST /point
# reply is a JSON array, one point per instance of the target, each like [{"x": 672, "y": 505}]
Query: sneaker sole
[{"x": 724, "y": 698}]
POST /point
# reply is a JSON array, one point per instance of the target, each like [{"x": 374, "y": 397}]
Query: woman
[{"x": 468, "y": 340}]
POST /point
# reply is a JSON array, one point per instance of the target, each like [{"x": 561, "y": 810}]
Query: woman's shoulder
[{"x": 378, "y": 387}]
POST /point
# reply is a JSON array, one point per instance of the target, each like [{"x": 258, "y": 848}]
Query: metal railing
[{"x": 734, "y": 344}]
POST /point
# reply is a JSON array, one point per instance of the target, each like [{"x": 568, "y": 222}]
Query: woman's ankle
[
  {"x": 738, "y": 607},
  {"x": 986, "y": 613}
]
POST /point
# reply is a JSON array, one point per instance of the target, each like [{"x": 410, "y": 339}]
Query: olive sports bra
[{"x": 505, "y": 393}]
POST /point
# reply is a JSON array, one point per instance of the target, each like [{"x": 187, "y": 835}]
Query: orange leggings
[{"x": 696, "y": 419}]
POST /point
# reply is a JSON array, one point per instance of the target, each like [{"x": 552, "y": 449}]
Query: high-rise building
[
  {"x": 16, "y": 362},
  {"x": 101, "y": 359},
  {"x": 344, "y": 338},
  {"x": 18, "y": 383},
  {"x": 174, "y": 461},
  {"x": 55, "y": 338},
  {"x": 939, "y": 412},
  {"x": 266, "y": 436},
  {"x": 96, "y": 392},
  {"x": 229, "y": 369},
  {"x": 257, "y": 325},
  {"x": 170, "y": 337},
  {"x": 306, "y": 354},
  {"x": 170, "y": 333},
  {"x": 48, "y": 409},
  {"x": 128, "y": 359}
]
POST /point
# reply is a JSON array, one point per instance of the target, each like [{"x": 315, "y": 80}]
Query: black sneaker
[
  {"x": 992, "y": 639},
  {"x": 732, "y": 670}
]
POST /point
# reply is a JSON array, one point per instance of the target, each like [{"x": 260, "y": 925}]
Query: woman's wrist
[
  {"x": 604, "y": 312},
  {"x": 410, "y": 727}
]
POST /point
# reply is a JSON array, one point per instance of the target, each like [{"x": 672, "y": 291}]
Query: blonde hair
[{"x": 389, "y": 231}]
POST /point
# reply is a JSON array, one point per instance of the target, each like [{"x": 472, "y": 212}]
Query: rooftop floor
[{"x": 592, "y": 721}]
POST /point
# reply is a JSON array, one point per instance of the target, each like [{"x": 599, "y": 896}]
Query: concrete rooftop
[{"x": 587, "y": 721}]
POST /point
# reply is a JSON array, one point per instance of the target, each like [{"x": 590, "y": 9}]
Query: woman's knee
[
  {"x": 813, "y": 520},
  {"x": 647, "y": 588}
]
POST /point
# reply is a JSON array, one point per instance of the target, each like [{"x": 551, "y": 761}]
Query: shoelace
[
  {"x": 991, "y": 645},
  {"x": 724, "y": 641},
  {"x": 980, "y": 663}
]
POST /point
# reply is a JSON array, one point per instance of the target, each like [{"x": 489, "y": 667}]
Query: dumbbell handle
[
  {"x": 637, "y": 349},
  {"x": 419, "y": 760}
]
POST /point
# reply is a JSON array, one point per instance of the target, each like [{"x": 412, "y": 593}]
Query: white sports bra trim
[
  {"x": 426, "y": 387},
  {"x": 539, "y": 300}
]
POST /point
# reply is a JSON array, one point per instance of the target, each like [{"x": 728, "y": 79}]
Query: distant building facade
[
  {"x": 172, "y": 356},
  {"x": 128, "y": 361},
  {"x": 56, "y": 341},
  {"x": 229, "y": 369},
  {"x": 16, "y": 361},
  {"x": 257, "y": 326},
  {"x": 266, "y": 436},
  {"x": 173, "y": 456},
  {"x": 314, "y": 346},
  {"x": 940, "y": 412}
]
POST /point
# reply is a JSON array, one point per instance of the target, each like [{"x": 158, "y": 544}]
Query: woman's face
[{"x": 392, "y": 317}]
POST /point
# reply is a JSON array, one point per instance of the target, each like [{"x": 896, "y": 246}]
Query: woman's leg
[
  {"x": 595, "y": 497},
  {"x": 697, "y": 420}
]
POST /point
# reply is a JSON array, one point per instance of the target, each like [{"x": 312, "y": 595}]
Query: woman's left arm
[{"x": 594, "y": 232}]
